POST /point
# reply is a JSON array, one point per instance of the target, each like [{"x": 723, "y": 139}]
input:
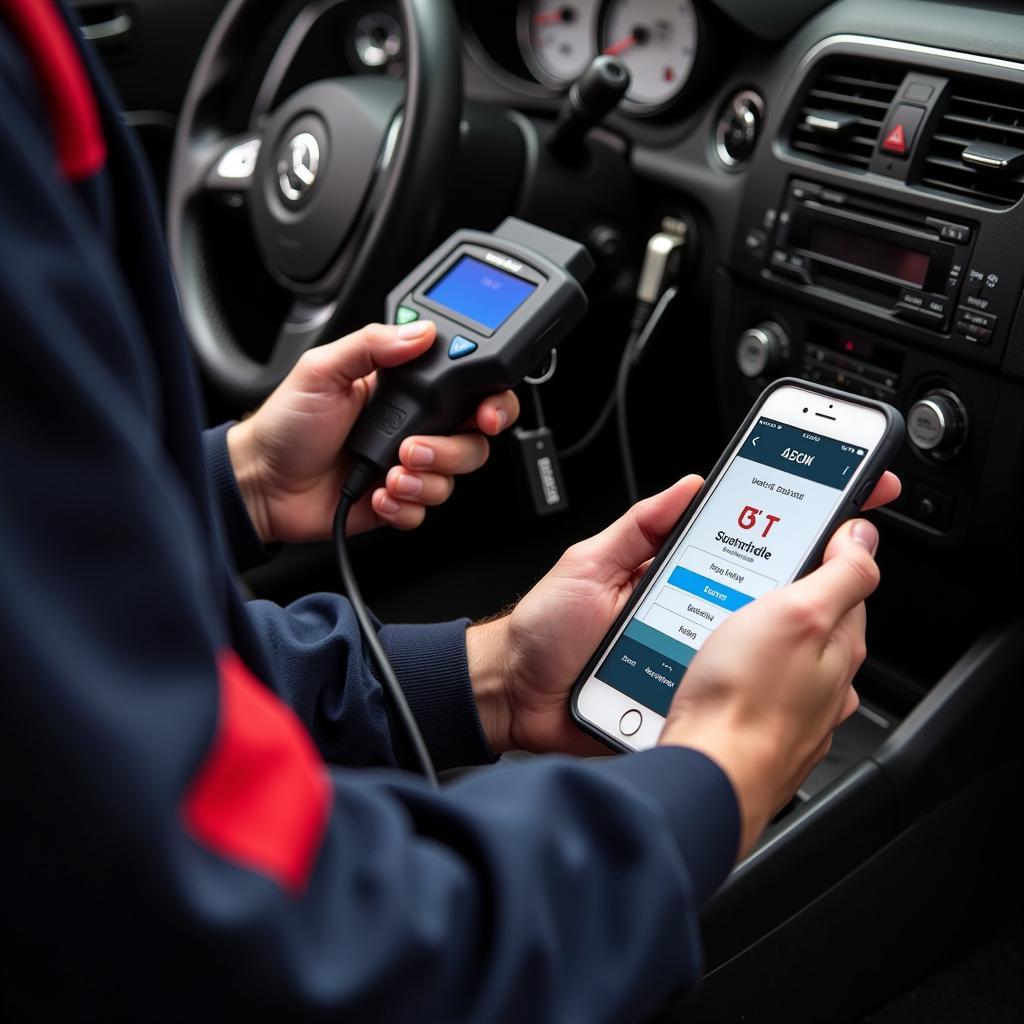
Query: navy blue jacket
[{"x": 176, "y": 844}]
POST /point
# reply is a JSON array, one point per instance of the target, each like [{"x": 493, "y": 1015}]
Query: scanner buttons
[
  {"x": 460, "y": 347},
  {"x": 406, "y": 315}
]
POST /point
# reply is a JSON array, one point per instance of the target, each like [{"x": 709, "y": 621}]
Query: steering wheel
[{"x": 344, "y": 181}]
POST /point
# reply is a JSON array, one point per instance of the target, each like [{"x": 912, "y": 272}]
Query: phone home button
[{"x": 630, "y": 722}]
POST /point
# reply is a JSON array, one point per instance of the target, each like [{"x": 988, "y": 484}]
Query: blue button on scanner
[{"x": 460, "y": 347}]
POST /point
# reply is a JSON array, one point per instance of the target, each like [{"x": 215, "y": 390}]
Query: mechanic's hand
[
  {"x": 288, "y": 456},
  {"x": 767, "y": 688},
  {"x": 523, "y": 665}
]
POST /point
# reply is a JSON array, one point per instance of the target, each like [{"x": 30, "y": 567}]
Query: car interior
[{"x": 844, "y": 182}]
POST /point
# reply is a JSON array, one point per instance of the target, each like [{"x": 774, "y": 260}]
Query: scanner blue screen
[{"x": 481, "y": 292}]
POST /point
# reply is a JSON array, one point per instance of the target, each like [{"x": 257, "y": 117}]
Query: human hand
[
  {"x": 288, "y": 456},
  {"x": 524, "y": 665},
  {"x": 768, "y": 687}
]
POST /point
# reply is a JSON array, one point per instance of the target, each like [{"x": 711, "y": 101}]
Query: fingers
[
  {"x": 497, "y": 413},
  {"x": 639, "y": 534},
  {"x": 402, "y": 515},
  {"x": 848, "y": 575},
  {"x": 358, "y": 354},
  {"x": 423, "y": 488},
  {"x": 886, "y": 490},
  {"x": 449, "y": 456},
  {"x": 850, "y": 704}
]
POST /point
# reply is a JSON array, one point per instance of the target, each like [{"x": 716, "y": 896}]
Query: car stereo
[{"x": 895, "y": 258}]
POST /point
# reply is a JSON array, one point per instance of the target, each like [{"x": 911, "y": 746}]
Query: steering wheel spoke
[
  {"x": 234, "y": 168},
  {"x": 303, "y": 327}
]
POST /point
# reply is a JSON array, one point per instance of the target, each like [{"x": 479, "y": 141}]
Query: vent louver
[
  {"x": 843, "y": 110},
  {"x": 978, "y": 148}
]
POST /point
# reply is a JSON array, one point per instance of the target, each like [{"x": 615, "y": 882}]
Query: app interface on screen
[{"x": 751, "y": 536}]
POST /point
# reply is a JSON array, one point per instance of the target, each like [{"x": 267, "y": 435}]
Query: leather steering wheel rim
[{"x": 396, "y": 219}]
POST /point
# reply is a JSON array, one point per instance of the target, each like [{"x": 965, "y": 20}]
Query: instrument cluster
[{"x": 657, "y": 40}]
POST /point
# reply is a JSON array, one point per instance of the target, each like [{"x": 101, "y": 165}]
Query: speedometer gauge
[
  {"x": 657, "y": 41},
  {"x": 558, "y": 38}
]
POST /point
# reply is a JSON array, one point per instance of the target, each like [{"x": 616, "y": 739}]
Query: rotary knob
[
  {"x": 937, "y": 423},
  {"x": 761, "y": 349}
]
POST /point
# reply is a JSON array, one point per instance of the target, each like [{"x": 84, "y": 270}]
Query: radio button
[
  {"x": 830, "y": 195},
  {"x": 959, "y": 234},
  {"x": 975, "y": 281},
  {"x": 877, "y": 375},
  {"x": 977, "y": 327},
  {"x": 790, "y": 264},
  {"x": 911, "y": 298}
]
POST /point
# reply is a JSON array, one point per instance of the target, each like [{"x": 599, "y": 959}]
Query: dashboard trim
[{"x": 849, "y": 38}]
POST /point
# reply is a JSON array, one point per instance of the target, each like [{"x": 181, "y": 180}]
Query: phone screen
[{"x": 753, "y": 533}]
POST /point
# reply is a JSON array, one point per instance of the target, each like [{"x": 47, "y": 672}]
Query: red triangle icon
[{"x": 896, "y": 141}]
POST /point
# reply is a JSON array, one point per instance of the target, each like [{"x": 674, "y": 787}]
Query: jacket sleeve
[
  {"x": 177, "y": 847},
  {"x": 244, "y": 543},
  {"x": 325, "y": 674}
]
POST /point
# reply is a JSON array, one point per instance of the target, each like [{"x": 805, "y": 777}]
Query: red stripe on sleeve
[
  {"x": 81, "y": 148},
  {"x": 262, "y": 796}
]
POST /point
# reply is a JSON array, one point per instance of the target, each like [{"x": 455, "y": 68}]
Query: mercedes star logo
[{"x": 297, "y": 167}]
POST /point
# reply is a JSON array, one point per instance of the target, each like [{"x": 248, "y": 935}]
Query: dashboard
[{"x": 854, "y": 172}]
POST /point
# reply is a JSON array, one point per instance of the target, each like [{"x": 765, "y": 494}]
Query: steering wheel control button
[
  {"x": 406, "y": 315},
  {"x": 460, "y": 347},
  {"x": 239, "y": 163},
  {"x": 901, "y": 130},
  {"x": 630, "y": 722}
]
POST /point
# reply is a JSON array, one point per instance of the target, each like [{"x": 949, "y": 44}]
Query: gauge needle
[
  {"x": 553, "y": 17},
  {"x": 621, "y": 46}
]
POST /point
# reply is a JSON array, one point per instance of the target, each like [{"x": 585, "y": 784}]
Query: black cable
[
  {"x": 637, "y": 322},
  {"x": 635, "y": 353},
  {"x": 387, "y": 674},
  {"x": 622, "y": 426},
  {"x": 538, "y": 406},
  {"x": 606, "y": 410}
]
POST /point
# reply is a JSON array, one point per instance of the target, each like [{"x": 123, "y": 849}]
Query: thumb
[
  {"x": 375, "y": 345},
  {"x": 640, "y": 533},
  {"x": 848, "y": 574}
]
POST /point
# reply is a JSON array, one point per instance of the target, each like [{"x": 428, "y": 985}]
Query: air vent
[
  {"x": 978, "y": 148},
  {"x": 843, "y": 109}
]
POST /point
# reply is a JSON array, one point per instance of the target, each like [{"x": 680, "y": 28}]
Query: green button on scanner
[{"x": 406, "y": 315}]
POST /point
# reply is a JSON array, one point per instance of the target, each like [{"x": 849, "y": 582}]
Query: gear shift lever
[{"x": 591, "y": 98}]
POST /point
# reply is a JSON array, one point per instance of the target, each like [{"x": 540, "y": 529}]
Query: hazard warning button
[{"x": 900, "y": 130}]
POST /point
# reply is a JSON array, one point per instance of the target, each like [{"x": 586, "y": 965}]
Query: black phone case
[{"x": 878, "y": 462}]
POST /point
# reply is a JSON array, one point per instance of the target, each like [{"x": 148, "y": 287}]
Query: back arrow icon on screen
[{"x": 755, "y": 440}]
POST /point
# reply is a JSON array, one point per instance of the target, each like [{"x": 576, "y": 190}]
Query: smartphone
[{"x": 805, "y": 459}]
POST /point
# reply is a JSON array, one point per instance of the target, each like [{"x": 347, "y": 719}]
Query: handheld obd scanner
[{"x": 501, "y": 303}]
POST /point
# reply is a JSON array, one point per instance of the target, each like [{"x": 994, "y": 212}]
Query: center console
[{"x": 877, "y": 250}]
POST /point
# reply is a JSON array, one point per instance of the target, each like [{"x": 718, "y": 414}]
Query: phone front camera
[{"x": 805, "y": 408}]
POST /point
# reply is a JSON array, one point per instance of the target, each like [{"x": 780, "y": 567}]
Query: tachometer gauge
[
  {"x": 657, "y": 41},
  {"x": 558, "y": 38}
]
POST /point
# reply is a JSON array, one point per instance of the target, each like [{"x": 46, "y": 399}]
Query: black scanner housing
[{"x": 435, "y": 393}]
